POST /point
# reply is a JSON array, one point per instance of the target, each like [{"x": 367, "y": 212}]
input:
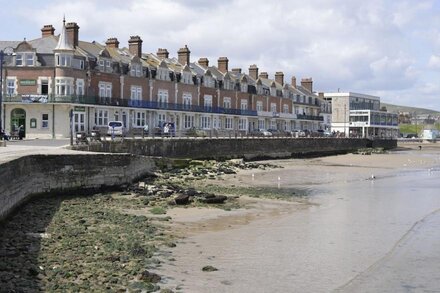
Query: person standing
[
  {"x": 20, "y": 132},
  {"x": 166, "y": 129}
]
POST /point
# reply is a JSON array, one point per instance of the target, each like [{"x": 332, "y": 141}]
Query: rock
[
  {"x": 209, "y": 269},
  {"x": 182, "y": 199},
  {"x": 215, "y": 199},
  {"x": 149, "y": 277}
]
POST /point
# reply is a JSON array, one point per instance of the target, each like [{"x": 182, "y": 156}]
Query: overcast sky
[{"x": 385, "y": 48}]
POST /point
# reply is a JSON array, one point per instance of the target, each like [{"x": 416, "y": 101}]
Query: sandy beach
[{"x": 257, "y": 248}]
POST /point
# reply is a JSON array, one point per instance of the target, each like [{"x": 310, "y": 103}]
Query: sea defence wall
[
  {"x": 248, "y": 148},
  {"x": 38, "y": 174}
]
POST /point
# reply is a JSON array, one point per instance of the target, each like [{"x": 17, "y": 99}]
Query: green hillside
[{"x": 396, "y": 108}]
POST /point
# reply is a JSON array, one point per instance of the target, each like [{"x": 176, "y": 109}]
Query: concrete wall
[
  {"x": 38, "y": 174},
  {"x": 237, "y": 148}
]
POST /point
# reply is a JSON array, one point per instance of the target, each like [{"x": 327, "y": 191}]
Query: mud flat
[{"x": 345, "y": 215}]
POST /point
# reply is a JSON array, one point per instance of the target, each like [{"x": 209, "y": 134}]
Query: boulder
[
  {"x": 182, "y": 199},
  {"x": 149, "y": 277}
]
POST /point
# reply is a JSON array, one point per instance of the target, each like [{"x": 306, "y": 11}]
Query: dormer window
[
  {"x": 24, "y": 59},
  {"x": 136, "y": 70},
  {"x": 244, "y": 87},
  {"x": 187, "y": 78},
  {"x": 105, "y": 65},
  {"x": 63, "y": 60},
  {"x": 19, "y": 60}
]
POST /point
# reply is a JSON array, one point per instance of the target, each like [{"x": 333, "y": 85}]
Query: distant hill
[{"x": 396, "y": 108}]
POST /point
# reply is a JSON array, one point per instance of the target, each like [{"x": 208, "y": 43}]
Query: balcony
[
  {"x": 92, "y": 100},
  {"x": 310, "y": 117}
]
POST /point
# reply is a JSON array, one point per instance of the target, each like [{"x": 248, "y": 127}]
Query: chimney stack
[
  {"x": 253, "y": 71},
  {"x": 162, "y": 53},
  {"x": 307, "y": 83},
  {"x": 223, "y": 64},
  {"x": 236, "y": 70},
  {"x": 279, "y": 77},
  {"x": 112, "y": 43},
  {"x": 135, "y": 46},
  {"x": 72, "y": 31},
  {"x": 294, "y": 81},
  {"x": 183, "y": 55},
  {"x": 204, "y": 62},
  {"x": 47, "y": 30},
  {"x": 264, "y": 75}
]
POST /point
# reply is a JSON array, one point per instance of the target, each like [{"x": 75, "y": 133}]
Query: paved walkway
[{"x": 17, "y": 149}]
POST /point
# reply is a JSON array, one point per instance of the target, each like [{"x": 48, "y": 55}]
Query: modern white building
[{"x": 360, "y": 115}]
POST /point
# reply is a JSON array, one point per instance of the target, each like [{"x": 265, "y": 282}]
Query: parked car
[
  {"x": 274, "y": 131},
  {"x": 260, "y": 132},
  {"x": 115, "y": 128},
  {"x": 298, "y": 133}
]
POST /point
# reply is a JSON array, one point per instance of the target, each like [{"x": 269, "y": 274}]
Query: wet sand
[{"x": 345, "y": 233}]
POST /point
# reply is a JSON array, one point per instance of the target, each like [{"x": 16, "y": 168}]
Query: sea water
[{"x": 358, "y": 235}]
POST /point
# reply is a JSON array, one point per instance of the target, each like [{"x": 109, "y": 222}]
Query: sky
[{"x": 386, "y": 48}]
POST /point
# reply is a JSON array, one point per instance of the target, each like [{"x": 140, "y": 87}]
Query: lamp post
[{"x": 4, "y": 52}]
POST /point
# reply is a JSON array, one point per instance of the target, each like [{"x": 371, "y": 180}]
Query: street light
[{"x": 6, "y": 51}]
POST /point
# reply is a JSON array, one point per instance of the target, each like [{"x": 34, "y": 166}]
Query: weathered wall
[
  {"x": 237, "y": 148},
  {"x": 38, "y": 174}
]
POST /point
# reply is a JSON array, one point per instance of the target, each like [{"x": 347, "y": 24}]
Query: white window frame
[
  {"x": 105, "y": 89},
  {"x": 261, "y": 124},
  {"x": 44, "y": 122},
  {"x": 161, "y": 119},
  {"x": 19, "y": 59},
  {"x": 205, "y": 122},
  {"x": 229, "y": 123},
  {"x": 207, "y": 102},
  {"x": 29, "y": 57},
  {"x": 187, "y": 100},
  {"x": 285, "y": 108},
  {"x": 101, "y": 117},
  {"x": 273, "y": 107},
  {"x": 136, "y": 93},
  {"x": 242, "y": 123},
  {"x": 140, "y": 118},
  {"x": 63, "y": 60},
  {"x": 162, "y": 97},
  {"x": 11, "y": 88},
  {"x": 259, "y": 107},
  {"x": 63, "y": 86},
  {"x": 227, "y": 103},
  {"x": 243, "y": 104},
  {"x": 188, "y": 121},
  {"x": 80, "y": 87}
]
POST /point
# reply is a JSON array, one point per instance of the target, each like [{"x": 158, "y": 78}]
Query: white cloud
[
  {"x": 434, "y": 62},
  {"x": 366, "y": 46}
]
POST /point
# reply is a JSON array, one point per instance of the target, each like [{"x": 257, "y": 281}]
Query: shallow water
[{"x": 359, "y": 236}]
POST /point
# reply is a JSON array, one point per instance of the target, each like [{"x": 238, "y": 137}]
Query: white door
[{"x": 78, "y": 122}]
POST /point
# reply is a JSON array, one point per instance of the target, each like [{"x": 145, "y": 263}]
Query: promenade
[{"x": 17, "y": 149}]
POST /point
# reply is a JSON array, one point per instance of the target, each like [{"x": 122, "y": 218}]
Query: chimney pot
[
  {"x": 162, "y": 53},
  {"x": 112, "y": 43},
  {"x": 72, "y": 31},
  {"x": 264, "y": 75},
  {"x": 183, "y": 55},
  {"x": 135, "y": 46},
  {"x": 253, "y": 71},
  {"x": 236, "y": 70},
  {"x": 203, "y": 62},
  {"x": 47, "y": 30},
  {"x": 307, "y": 83},
  {"x": 294, "y": 81},
  {"x": 279, "y": 77},
  {"x": 223, "y": 64}
]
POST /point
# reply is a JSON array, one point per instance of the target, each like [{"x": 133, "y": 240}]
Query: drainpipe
[{"x": 53, "y": 121}]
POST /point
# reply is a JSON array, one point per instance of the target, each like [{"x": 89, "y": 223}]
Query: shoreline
[{"x": 198, "y": 246}]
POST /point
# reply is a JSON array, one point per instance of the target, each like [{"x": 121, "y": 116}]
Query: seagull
[{"x": 373, "y": 177}]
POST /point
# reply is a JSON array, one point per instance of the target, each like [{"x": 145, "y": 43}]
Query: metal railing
[{"x": 93, "y": 100}]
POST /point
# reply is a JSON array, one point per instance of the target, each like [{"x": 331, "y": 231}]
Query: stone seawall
[
  {"x": 250, "y": 148},
  {"x": 37, "y": 174}
]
